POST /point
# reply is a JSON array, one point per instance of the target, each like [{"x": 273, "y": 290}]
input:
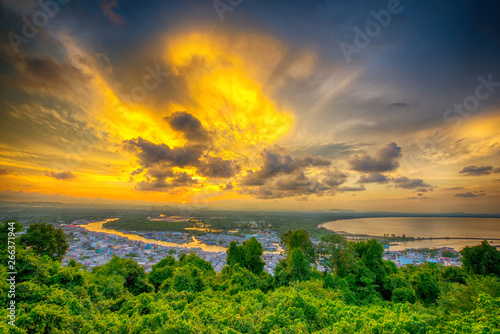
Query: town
[{"x": 96, "y": 248}]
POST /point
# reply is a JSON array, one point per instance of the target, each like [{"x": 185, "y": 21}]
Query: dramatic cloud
[
  {"x": 87, "y": 100},
  {"x": 383, "y": 161},
  {"x": 275, "y": 163},
  {"x": 406, "y": 183},
  {"x": 189, "y": 125},
  {"x": 218, "y": 168},
  {"x": 150, "y": 154},
  {"x": 164, "y": 180},
  {"x": 471, "y": 194},
  {"x": 373, "y": 178},
  {"x": 288, "y": 186},
  {"x": 66, "y": 175},
  {"x": 477, "y": 171},
  {"x": 283, "y": 176},
  {"x": 159, "y": 160}
]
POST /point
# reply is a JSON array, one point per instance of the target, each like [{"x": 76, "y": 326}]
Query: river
[
  {"x": 460, "y": 231},
  {"x": 97, "y": 227}
]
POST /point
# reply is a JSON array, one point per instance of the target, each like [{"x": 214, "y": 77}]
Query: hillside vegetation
[{"x": 359, "y": 293}]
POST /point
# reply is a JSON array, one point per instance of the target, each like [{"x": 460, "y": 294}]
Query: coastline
[{"x": 420, "y": 232}]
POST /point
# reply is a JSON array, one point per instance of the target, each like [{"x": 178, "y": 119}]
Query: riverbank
[{"x": 93, "y": 245}]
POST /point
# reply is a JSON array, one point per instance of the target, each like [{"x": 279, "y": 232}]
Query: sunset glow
[{"x": 236, "y": 114}]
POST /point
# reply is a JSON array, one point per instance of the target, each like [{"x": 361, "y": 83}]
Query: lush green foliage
[
  {"x": 188, "y": 296},
  {"x": 481, "y": 260},
  {"x": 247, "y": 255},
  {"x": 299, "y": 239},
  {"x": 45, "y": 239}
]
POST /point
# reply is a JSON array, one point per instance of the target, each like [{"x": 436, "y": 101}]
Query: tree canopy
[
  {"x": 186, "y": 295},
  {"x": 483, "y": 259},
  {"x": 247, "y": 255},
  {"x": 45, "y": 239},
  {"x": 299, "y": 239}
]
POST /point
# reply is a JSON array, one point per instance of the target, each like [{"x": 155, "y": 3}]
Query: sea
[{"x": 453, "y": 232}]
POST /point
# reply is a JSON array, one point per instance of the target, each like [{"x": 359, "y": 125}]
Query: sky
[{"x": 259, "y": 105}]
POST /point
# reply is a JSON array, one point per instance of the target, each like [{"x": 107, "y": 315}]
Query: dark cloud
[
  {"x": 347, "y": 188},
  {"x": 373, "y": 178},
  {"x": 137, "y": 171},
  {"x": 189, "y": 125},
  {"x": 300, "y": 183},
  {"x": 275, "y": 163},
  {"x": 496, "y": 170},
  {"x": 42, "y": 73},
  {"x": 406, "y": 183},
  {"x": 476, "y": 171},
  {"x": 150, "y": 154},
  {"x": 159, "y": 159},
  {"x": 334, "y": 178},
  {"x": 252, "y": 179},
  {"x": 159, "y": 179},
  {"x": 5, "y": 171},
  {"x": 453, "y": 188},
  {"x": 383, "y": 161},
  {"x": 66, "y": 175},
  {"x": 218, "y": 168},
  {"x": 296, "y": 185},
  {"x": 282, "y": 176},
  {"x": 470, "y": 194}
]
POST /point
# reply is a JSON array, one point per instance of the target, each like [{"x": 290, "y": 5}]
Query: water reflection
[
  {"x": 97, "y": 227},
  {"x": 424, "y": 227},
  {"x": 196, "y": 244}
]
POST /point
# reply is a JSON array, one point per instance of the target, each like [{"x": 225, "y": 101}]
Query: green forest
[{"x": 358, "y": 293}]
